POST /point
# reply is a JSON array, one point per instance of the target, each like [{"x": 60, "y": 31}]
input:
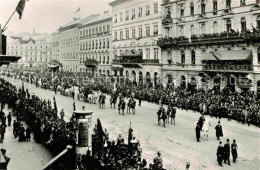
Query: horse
[
  {"x": 171, "y": 112},
  {"x": 113, "y": 100},
  {"x": 205, "y": 129},
  {"x": 161, "y": 115},
  {"x": 131, "y": 105}
]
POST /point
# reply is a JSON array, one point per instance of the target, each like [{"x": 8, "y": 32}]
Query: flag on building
[
  {"x": 20, "y": 8},
  {"x": 78, "y": 10}
]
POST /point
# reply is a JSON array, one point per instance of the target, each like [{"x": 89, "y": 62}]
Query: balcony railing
[
  {"x": 228, "y": 68},
  {"x": 224, "y": 37},
  {"x": 91, "y": 62},
  {"x": 136, "y": 61}
]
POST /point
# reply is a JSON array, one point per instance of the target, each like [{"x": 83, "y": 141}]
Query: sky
[{"x": 47, "y": 15}]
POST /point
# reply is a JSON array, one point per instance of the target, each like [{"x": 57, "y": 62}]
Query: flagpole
[{"x": 8, "y": 20}]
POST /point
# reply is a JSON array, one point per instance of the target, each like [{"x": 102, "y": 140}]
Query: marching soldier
[
  {"x": 220, "y": 153},
  {"x": 234, "y": 150}
]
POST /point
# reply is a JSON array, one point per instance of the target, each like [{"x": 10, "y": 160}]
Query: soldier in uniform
[
  {"x": 234, "y": 150},
  {"x": 220, "y": 153},
  {"x": 227, "y": 152},
  {"x": 219, "y": 132}
]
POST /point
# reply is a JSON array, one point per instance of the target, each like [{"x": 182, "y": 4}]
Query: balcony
[
  {"x": 91, "y": 63},
  {"x": 210, "y": 39},
  {"x": 241, "y": 68},
  {"x": 135, "y": 62}
]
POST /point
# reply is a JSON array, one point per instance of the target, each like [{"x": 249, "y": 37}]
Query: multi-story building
[
  {"x": 34, "y": 48},
  {"x": 211, "y": 44},
  {"x": 69, "y": 44},
  {"x": 95, "y": 45},
  {"x": 55, "y": 45},
  {"x": 135, "y": 31}
]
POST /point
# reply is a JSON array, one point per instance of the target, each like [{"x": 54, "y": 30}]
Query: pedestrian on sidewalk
[
  {"x": 74, "y": 106},
  {"x": 2, "y": 132},
  {"x": 28, "y": 133},
  {"x": 9, "y": 117},
  {"x": 15, "y": 129}
]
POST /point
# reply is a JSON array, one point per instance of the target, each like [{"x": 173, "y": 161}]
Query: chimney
[{"x": 106, "y": 12}]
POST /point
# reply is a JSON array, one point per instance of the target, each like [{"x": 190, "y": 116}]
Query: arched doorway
[
  {"x": 183, "y": 82},
  {"x": 148, "y": 78},
  {"x": 216, "y": 83},
  {"x": 133, "y": 77},
  {"x": 140, "y": 78},
  {"x": 231, "y": 83},
  {"x": 155, "y": 79},
  {"x": 258, "y": 89},
  {"x": 192, "y": 85},
  {"x": 127, "y": 77}
]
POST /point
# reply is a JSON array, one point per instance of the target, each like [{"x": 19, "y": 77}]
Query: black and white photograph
[{"x": 129, "y": 84}]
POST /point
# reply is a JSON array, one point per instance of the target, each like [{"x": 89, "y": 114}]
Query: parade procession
[{"x": 130, "y": 85}]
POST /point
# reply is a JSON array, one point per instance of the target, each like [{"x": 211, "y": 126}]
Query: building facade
[
  {"x": 135, "y": 31},
  {"x": 211, "y": 44},
  {"x": 95, "y": 45},
  {"x": 34, "y": 48},
  {"x": 55, "y": 45},
  {"x": 69, "y": 44}
]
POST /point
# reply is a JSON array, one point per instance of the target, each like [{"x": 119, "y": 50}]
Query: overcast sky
[{"x": 47, "y": 15}]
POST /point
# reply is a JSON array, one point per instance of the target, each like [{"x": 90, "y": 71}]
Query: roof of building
[{"x": 98, "y": 18}]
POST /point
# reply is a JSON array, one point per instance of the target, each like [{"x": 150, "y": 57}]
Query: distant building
[
  {"x": 69, "y": 44},
  {"x": 136, "y": 29},
  {"x": 55, "y": 45},
  {"x": 95, "y": 45},
  {"x": 207, "y": 44},
  {"x": 34, "y": 48}
]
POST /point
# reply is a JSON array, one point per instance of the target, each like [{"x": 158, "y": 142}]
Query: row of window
[
  {"x": 105, "y": 60},
  {"x": 125, "y": 16},
  {"x": 125, "y": 34},
  {"x": 228, "y": 23},
  {"x": 94, "y": 31},
  {"x": 203, "y": 6},
  {"x": 155, "y": 53},
  {"x": 69, "y": 41},
  {"x": 69, "y": 56},
  {"x": 91, "y": 45},
  {"x": 35, "y": 47}
]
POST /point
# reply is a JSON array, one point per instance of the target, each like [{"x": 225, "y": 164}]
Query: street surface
[{"x": 177, "y": 143}]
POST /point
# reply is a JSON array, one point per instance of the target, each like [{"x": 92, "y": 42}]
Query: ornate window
[
  {"x": 258, "y": 22},
  {"x": 193, "y": 57},
  {"x": 192, "y": 8},
  {"x": 228, "y": 26},
  {"x": 243, "y": 24},
  {"x": 182, "y": 57}
]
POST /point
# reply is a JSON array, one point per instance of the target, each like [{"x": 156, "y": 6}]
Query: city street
[{"x": 177, "y": 143}]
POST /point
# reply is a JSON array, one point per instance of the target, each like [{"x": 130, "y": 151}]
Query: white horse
[{"x": 205, "y": 129}]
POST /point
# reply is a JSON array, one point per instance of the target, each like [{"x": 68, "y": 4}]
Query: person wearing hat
[
  {"x": 158, "y": 160},
  {"x": 234, "y": 150},
  {"x": 227, "y": 152},
  {"x": 187, "y": 166},
  {"x": 220, "y": 153},
  {"x": 219, "y": 132}
]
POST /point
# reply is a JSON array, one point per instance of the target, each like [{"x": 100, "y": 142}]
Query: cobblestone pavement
[{"x": 177, "y": 143}]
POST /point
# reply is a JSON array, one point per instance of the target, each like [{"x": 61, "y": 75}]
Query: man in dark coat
[
  {"x": 219, "y": 132},
  {"x": 28, "y": 133},
  {"x": 220, "y": 153},
  {"x": 9, "y": 117},
  {"x": 201, "y": 121},
  {"x": 227, "y": 152},
  {"x": 234, "y": 150},
  {"x": 197, "y": 129}
]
